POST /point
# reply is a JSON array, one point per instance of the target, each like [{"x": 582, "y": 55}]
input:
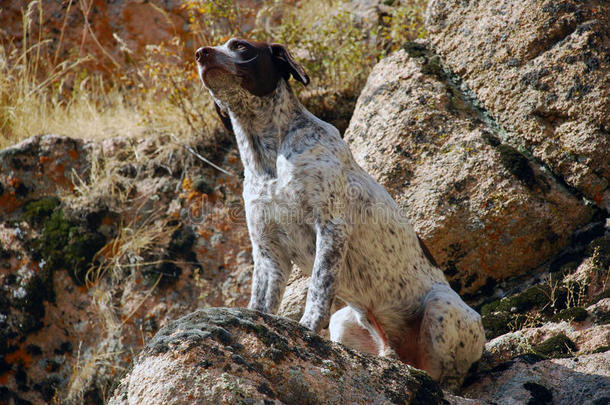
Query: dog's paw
[
  {"x": 389, "y": 353},
  {"x": 307, "y": 322}
]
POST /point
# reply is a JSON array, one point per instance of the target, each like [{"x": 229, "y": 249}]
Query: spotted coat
[{"x": 308, "y": 202}]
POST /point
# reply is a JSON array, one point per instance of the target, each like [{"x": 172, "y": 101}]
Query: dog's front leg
[
  {"x": 331, "y": 239},
  {"x": 271, "y": 270}
]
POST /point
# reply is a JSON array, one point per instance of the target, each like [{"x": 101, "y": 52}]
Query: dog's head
[{"x": 241, "y": 64}]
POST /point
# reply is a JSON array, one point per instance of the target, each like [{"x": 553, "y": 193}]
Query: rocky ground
[{"x": 493, "y": 135}]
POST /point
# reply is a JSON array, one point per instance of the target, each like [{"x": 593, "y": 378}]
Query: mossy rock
[
  {"x": 533, "y": 297},
  {"x": 182, "y": 240},
  {"x": 508, "y": 313},
  {"x": 575, "y": 314},
  {"x": 67, "y": 244},
  {"x": 36, "y": 212},
  {"x": 496, "y": 324},
  {"x": 556, "y": 346},
  {"x": 416, "y": 49}
]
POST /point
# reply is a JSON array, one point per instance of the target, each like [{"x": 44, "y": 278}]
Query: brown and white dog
[{"x": 309, "y": 203}]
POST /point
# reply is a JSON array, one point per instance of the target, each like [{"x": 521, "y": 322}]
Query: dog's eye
[{"x": 239, "y": 47}]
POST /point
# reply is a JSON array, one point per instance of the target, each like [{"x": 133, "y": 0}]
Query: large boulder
[
  {"x": 542, "y": 70},
  {"x": 485, "y": 210},
  {"x": 234, "y": 356}
]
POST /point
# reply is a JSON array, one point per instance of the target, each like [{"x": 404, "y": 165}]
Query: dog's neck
[{"x": 260, "y": 125}]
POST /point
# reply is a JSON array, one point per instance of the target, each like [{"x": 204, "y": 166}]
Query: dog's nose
[{"x": 203, "y": 53}]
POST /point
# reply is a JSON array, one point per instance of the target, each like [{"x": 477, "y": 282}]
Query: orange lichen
[
  {"x": 45, "y": 160},
  {"x": 193, "y": 194},
  {"x": 56, "y": 174},
  {"x": 187, "y": 184},
  {"x": 19, "y": 356},
  {"x": 205, "y": 233},
  {"x": 14, "y": 182},
  {"x": 9, "y": 202}
]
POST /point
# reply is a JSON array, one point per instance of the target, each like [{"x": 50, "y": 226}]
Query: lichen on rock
[{"x": 235, "y": 355}]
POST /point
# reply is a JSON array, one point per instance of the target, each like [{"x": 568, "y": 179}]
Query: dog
[{"x": 308, "y": 202}]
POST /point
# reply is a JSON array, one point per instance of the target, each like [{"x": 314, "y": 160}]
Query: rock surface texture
[
  {"x": 541, "y": 69},
  {"x": 40, "y": 166},
  {"x": 235, "y": 355},
  {"x": 485, "y": 211},
  {"x": 98, "y": 249},
  {"x": 529, "y": 379}
]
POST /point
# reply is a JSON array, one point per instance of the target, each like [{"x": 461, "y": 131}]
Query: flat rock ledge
[{"x": 222, "y": 355}]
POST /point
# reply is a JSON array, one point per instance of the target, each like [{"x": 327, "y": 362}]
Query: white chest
[{"x": 281, "y": 207}]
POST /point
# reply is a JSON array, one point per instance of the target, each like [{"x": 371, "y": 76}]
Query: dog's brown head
[{"x": 255, "y": 66}]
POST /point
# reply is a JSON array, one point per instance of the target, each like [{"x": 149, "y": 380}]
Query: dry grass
[{"x": 43, "y": 93}]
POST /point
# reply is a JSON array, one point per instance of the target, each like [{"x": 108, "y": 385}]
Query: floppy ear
[
  {"x": 287, "y": 65},
  {"x": 224, "y": 117}
]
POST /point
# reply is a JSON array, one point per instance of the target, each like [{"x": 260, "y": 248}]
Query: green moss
[
  {"x": 496, "y": 324},
  {"x": 533, "y": 297},
  {"x": 516, "y": 164},
  {"x": 556, "y": 346},
  {"x": 529, "y": 308},
  {"x": 601, "y": 349},
  {"x": 433, "y": 67},
  {"x": 36, "y": 212},
  {"x": 66, "y": 244},
  {"x": 576, "y": 314},
  {"x": 490, "y": 307}
]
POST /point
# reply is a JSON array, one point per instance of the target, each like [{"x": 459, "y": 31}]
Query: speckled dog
[{"x": 308, "y": 202}]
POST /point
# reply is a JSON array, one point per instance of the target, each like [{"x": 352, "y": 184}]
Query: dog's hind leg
[
  {"x": 346, "y": 329},
  {"x": 360, "y": 331},
  {"x": 451, "y": 336}
]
